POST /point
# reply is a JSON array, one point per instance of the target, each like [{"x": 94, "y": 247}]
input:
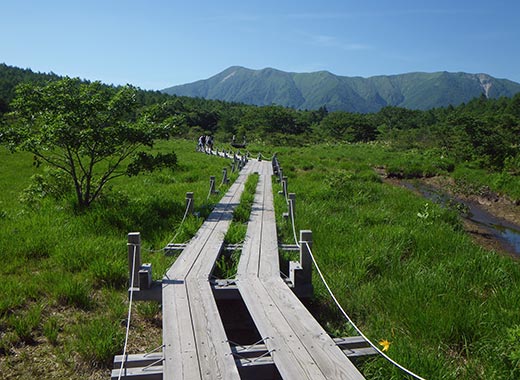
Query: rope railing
[
  {"x": 129, "y": 317},
  {"x": 343, "y": 312},
  {"x": 320, "y": 273},
  {"x": 179, "y": 229}
]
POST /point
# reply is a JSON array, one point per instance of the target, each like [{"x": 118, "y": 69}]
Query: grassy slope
[
  {"x": 63, "y": 289},
  {"x": 404, "y": 271}
]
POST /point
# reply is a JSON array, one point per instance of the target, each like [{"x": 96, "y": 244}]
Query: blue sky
[{"x": 155, "y": 44}]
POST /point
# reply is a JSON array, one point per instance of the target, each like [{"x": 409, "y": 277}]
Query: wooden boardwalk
[
  {"x": 194, "y": 339},
  {"x": 195, "y": 345},
  {"x": 299, "y": 346}
]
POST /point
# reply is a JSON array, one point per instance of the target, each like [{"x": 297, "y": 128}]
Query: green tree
[{"x": 92, "y": 132}]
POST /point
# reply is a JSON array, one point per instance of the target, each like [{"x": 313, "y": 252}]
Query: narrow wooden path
[
  {"x": 194, "y": 339},
  {"x": 195, "y": 344},
  {"x": 299, "y": 346}
]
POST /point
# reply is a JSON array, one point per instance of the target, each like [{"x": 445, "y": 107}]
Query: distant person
[
  {"x": 201, "y": 143},
  {"x": 209, "y": 143}
]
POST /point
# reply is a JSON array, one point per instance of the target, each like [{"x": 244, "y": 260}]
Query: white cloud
[{"x": 327, "y": 41}]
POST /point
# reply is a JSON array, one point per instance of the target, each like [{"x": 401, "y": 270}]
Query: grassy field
[
  {"x": 402, "y": 268},
  {"x": 63, "y": 298}
]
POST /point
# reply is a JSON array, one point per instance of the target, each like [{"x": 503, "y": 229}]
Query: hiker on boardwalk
[
  {"x": 201, "y": 143},
  {"x": 209, "y": 143}
]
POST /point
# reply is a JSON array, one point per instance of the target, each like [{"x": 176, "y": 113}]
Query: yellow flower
[{"x": 385, "y": 343}]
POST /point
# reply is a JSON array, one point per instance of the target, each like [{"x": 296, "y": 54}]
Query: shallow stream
[{"x": 506, "y": 233}]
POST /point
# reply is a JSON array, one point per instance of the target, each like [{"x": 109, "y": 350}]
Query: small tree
[{"x": 92, "y": 132}]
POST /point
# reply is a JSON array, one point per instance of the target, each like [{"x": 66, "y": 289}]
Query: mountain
[{"x": 354, "y": 94}]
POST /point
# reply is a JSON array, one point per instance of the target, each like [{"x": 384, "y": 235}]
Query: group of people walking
[{"x": 205, "y": 143}]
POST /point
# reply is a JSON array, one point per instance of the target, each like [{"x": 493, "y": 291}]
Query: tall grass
[
  {"x": 64, "y": 273},
  {"x": 226, "y": 265},
  {"x": 405, "y": 271}
]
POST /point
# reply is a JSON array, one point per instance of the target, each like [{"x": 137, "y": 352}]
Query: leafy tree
[{"x": 92, "y": 132}]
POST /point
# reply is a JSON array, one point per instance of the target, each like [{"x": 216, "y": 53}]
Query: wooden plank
[
  {"x": 180, "y": 349},
  {"x": 324, "y": 351},
  {"x": 215, "y": 358},
  {"x": 152, "y": 373},
  {"x": 290, "y": 357}
]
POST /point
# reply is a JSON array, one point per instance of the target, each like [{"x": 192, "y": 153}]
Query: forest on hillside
[{"x": 484, "y": 132}]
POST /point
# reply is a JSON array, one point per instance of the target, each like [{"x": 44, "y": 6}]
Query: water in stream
[{"x": 506, "y": 233}]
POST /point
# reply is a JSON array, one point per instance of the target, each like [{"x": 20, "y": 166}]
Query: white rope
[
  {"x": 178, "y": 229},
  {"x": 123, "y": 361},
  {"x": 182, "y": 221},
  {"x": 209, "y": 193},
  {"x": 407, "y": 371},
  {"x": 267, "y": 158}
]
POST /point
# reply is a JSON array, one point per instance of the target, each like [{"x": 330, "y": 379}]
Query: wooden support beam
[
  {"x": 153, "y": 293},
  {"x": 260, "y": 369},
  {"x": 145, "y": 276},
  {"x": 141, "y": 373},
  {"x": 139, "y": 360}
]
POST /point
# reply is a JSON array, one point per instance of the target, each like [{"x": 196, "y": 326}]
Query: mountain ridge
[{"x": 415, "y": 90}]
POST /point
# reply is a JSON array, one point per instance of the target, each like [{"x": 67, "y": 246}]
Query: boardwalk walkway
[
  {"x": 195, "y": 343},
  {"x": 299, "y": 346}
]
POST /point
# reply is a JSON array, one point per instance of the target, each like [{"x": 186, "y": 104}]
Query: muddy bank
[
  {"x": 499, "y": 206},
  {"x": 501, "y": 210}
]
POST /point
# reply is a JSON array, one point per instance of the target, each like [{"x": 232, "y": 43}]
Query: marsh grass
[
  {"x": 404, "y": 271},
  {"x": 74, "y": 262},
  {"x": 226, "y": 265}
]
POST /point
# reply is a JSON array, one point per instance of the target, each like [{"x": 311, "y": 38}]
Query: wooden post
[
  {"x": 259, "y": 156},
  {"x": 134, "y": 248},
  {"x": 233, "y": 166},
  {"x": 145, "y": 276},
  {"x": 274, "y": 163},
  {"x": 189, "y": 202},
  {"x": 292, "y": 205},
  {"x": 305, "y": 255},
  {"x": 212, "y": 184},
  {"x": 224, "y": 176},
  {"x": 280, "y": 174}
]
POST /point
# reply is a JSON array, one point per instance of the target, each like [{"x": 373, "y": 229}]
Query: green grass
[
  {"x": 226, "y": 265},
  {"x": 404, "y": 271},
  {"x": 64, "y": 274},
  {"x": 411, "y": 277}
]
